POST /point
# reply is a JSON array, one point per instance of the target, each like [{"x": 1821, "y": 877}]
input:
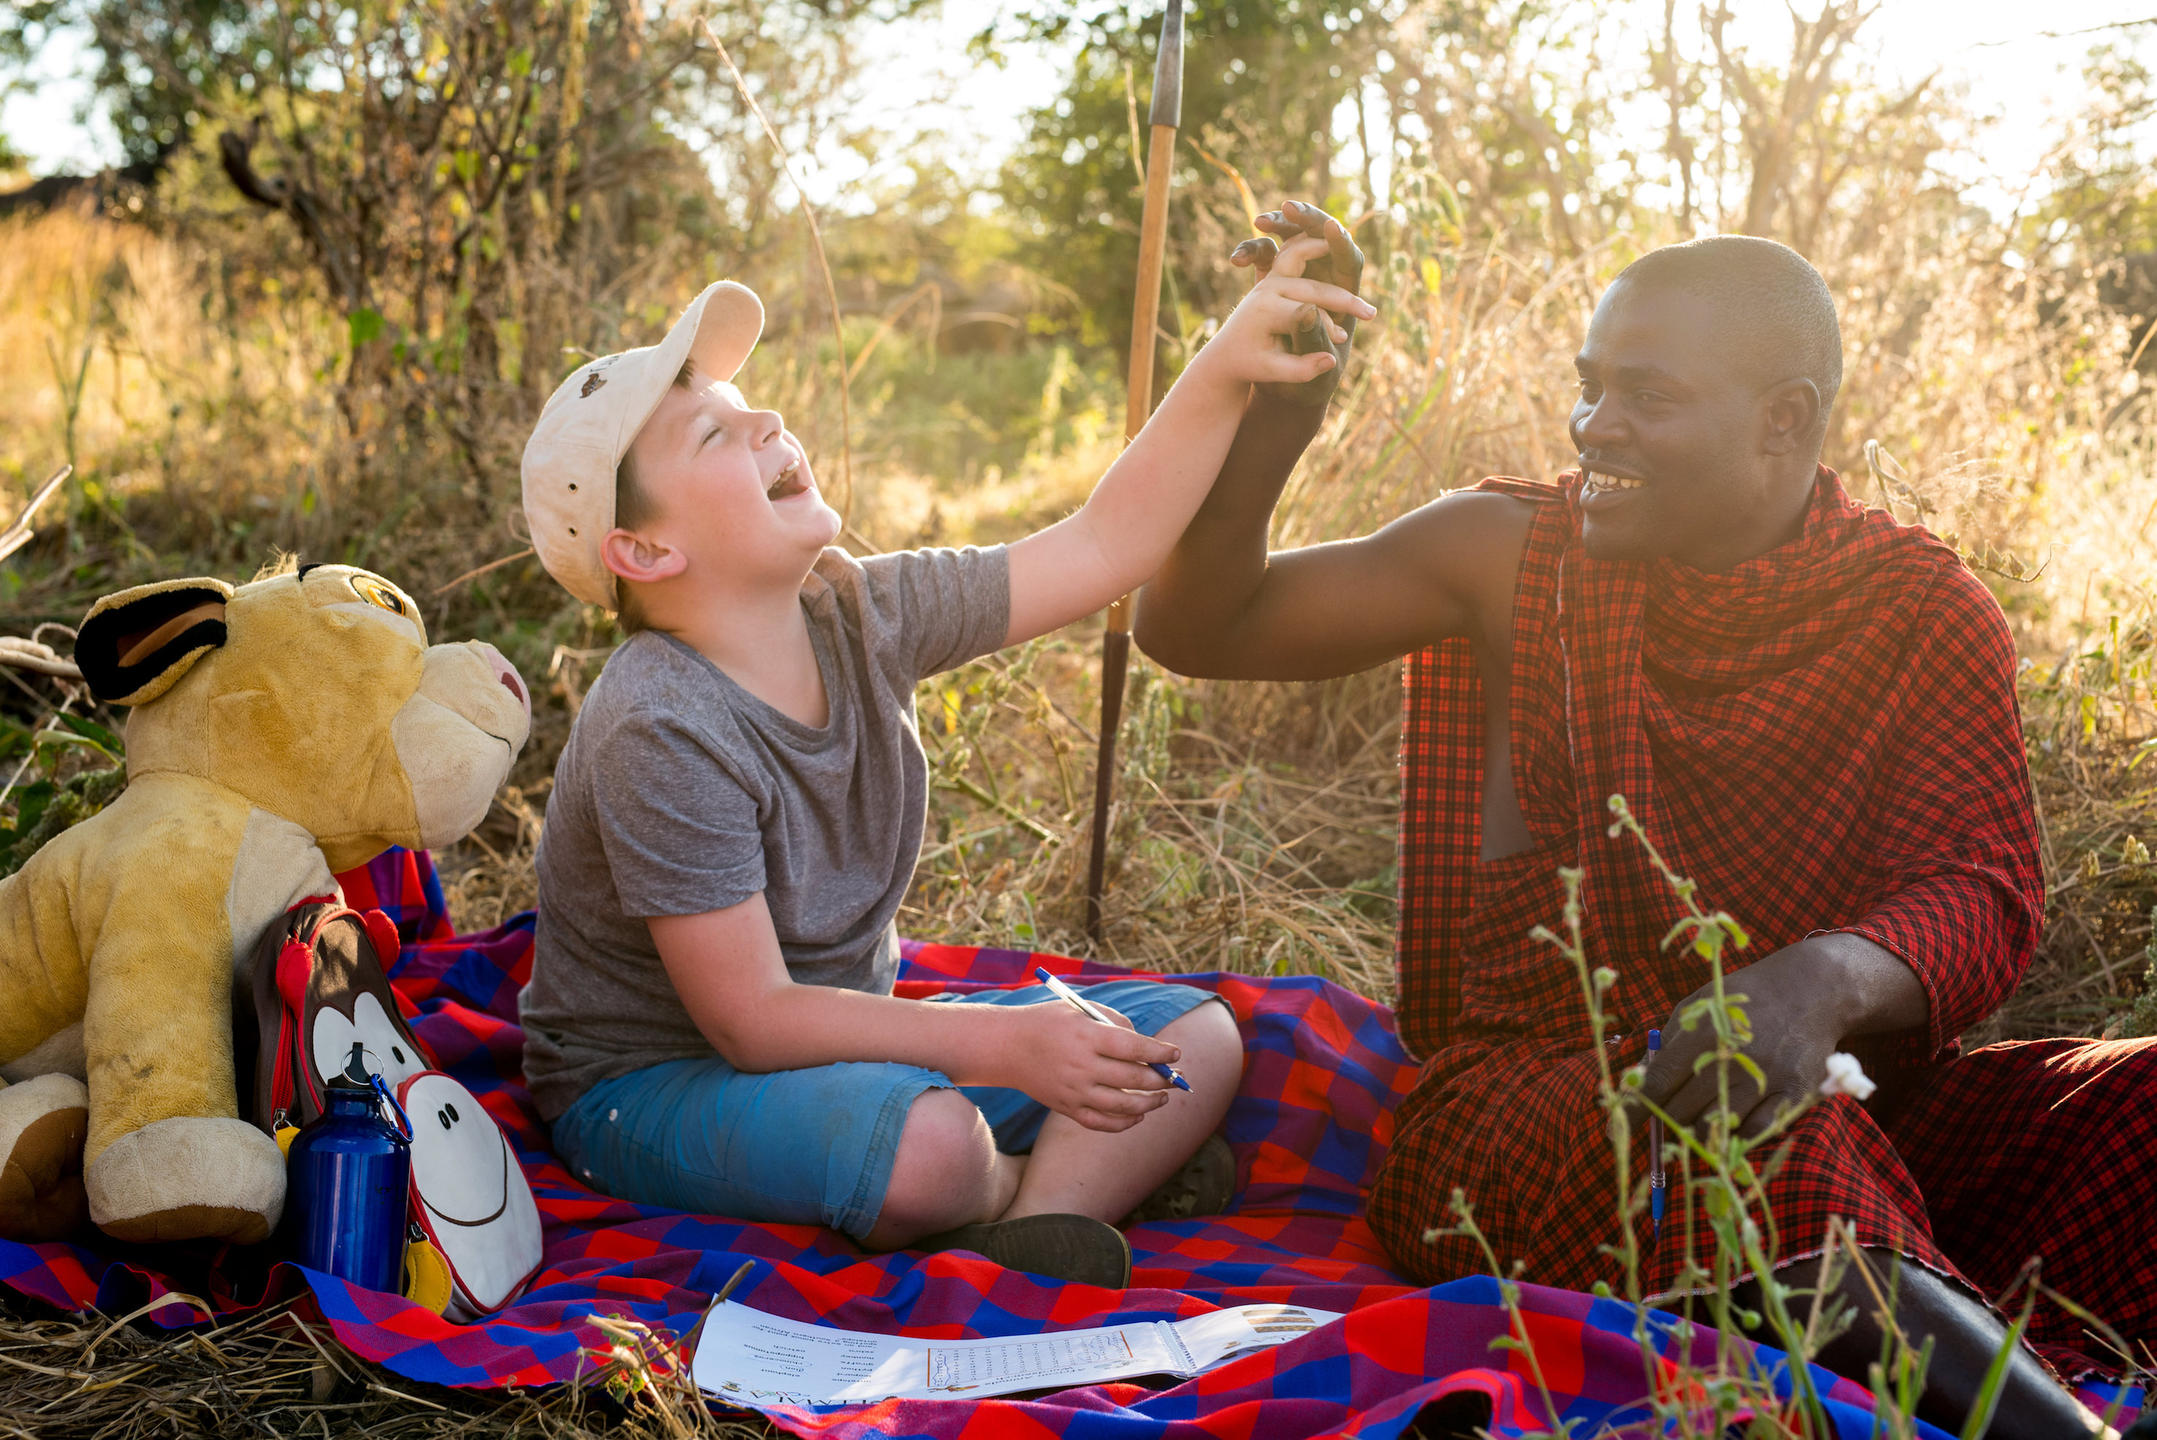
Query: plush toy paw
[
  {"x": 42, "y": 1125},
  {"x": 188, "y": 1178}
]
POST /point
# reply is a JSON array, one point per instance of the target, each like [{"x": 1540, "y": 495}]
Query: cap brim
[{"x": 716, "y": 331}]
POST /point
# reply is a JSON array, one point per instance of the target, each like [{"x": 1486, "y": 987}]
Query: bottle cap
[{"x": 354, "y": 1076}]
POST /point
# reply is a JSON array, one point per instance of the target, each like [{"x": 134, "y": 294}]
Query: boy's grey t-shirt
[{"x": 680, "y": 792}]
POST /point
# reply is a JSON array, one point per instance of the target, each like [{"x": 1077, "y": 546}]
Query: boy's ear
[
  {"x": 631, "y": 556},
  {"x": 134, "y": 645}
]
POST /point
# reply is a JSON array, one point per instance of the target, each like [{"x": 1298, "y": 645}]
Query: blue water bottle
[{"x": 347, "y": 1183}]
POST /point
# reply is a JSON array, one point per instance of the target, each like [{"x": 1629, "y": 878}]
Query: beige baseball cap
[{"x": 591, "y": 418}]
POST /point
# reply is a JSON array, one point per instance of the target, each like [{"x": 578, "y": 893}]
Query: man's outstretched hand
[{"x": 1341, "y": 265}]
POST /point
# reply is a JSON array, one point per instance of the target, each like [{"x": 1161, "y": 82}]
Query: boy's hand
[
  {"x": 1098, "y": 1075},
  {"x": 1341, "y": 265},
  {"x": 1258, "y": 344}
]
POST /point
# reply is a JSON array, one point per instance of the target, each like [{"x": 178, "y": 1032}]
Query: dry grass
[
  {"x": 275, "y": 1374},
  {"x": 1256, "y": 825}
]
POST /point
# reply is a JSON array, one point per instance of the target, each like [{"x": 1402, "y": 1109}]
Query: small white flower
[{"x": 1846, "y": 1077}]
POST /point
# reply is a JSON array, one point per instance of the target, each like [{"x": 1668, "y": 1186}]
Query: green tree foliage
[
  {"x": 2101, "y": 216},
  {"x": 1263, "y": 83},
  {"x": 155, "y": 62},
  {"x": 469, "y": 180},
  {"x": 1319, "y": 100}
]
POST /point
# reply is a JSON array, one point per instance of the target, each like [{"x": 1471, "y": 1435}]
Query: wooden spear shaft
[{"x": 1165, "y": 116}]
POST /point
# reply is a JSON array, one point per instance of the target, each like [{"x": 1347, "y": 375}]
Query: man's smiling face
[
  {"x": 730, "y": 484},
  {"x": 1670, "y": 426}
]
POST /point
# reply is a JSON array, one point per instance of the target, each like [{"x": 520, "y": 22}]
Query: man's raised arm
[{"x": 1222, "y": 606}]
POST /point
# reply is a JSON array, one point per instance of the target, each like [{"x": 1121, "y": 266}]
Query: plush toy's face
[{"x": 317, "y": 697}]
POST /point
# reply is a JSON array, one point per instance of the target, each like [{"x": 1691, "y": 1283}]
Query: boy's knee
[
  {"x": 1207, "y": 1036},
  {"x": 944, "y": 1173}
]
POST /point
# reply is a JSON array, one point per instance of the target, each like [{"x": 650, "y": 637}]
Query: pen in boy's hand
[{"x": 1078, "y": 1003}]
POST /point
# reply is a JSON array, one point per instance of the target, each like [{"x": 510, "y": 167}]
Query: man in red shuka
[{"x": 1811, "y": 710}]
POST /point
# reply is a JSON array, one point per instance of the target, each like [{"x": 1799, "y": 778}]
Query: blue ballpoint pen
[
  {"x": 1657, "y": 1185},
  {"x": 1064, "y": 991}
]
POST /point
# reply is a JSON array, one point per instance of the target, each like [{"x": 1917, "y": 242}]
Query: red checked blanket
[
  {"x": 1825, "y": 738},
  {"x": 1309, "y": 1125}
]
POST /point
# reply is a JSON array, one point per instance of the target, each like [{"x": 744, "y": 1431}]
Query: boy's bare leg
[
  {"x": 947, "y": 1173},
  {"x": 1077, "y": 1171}
]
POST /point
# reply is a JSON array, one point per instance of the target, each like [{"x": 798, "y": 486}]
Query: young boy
[{"x": 737, "y": 813}]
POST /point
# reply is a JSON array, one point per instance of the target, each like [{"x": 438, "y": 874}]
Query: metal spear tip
[{"x": 1168, "y": 70}]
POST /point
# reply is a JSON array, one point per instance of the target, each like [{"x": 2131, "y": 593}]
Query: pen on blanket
[
  {"x": 1066, "y": 992},
  {"x": 1656, "y": 1182}
]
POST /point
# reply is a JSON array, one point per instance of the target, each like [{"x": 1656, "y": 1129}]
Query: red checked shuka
[{"x": 1826, "y": 738}]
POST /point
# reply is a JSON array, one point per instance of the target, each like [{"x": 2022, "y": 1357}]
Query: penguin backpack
[{"x": 320, "y": 987}]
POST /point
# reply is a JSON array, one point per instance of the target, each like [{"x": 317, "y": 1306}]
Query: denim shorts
[{"x": 798, "y": 1147}]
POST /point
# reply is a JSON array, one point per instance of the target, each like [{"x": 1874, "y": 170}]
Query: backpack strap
[
  {"x": 383, "y": 932},
  {"x": 289, "y": 969}
]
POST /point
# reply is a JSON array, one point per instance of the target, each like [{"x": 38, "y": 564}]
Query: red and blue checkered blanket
[{"x": 1309, "y": 1127}]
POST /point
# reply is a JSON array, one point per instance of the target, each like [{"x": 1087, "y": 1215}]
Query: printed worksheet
[
  {"x": 1032, "y": 1362},
  {"x": 746, "y": 1357}
]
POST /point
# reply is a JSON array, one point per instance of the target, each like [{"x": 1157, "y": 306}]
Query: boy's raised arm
[{"x": 1139, "y": 508}]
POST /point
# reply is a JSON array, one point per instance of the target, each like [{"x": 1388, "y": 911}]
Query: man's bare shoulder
[
  {"x": 1474, "y": 538},
  {"x": 1474, "y": 516}
]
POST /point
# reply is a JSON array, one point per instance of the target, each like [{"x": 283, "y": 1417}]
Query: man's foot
[
  {"x": 1062, "y": 1247},
  {"x": 1203, "y": 1186}
]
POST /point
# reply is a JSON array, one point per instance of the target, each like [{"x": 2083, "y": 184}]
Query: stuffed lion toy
[{"x": 279, "y": 732}]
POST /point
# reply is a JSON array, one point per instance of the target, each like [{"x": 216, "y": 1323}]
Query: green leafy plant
[{"x": 60, "y": 774}]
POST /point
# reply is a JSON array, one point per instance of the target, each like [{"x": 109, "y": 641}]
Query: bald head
[
  {"x": 1705, "y": 380},
  {"x": 1780, "y": 316}
]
